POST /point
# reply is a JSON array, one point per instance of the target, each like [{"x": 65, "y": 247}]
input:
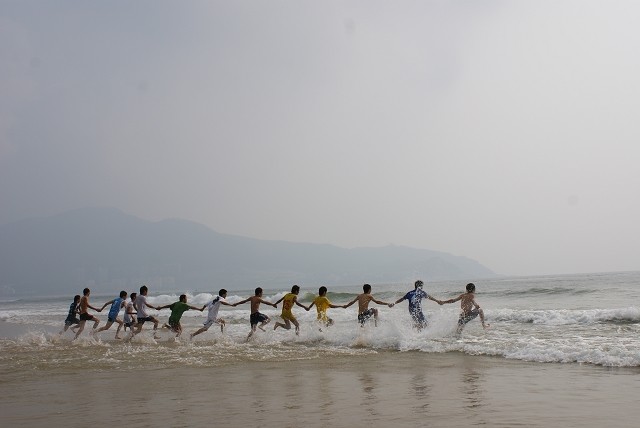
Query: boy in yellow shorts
[
  {"x": 288, "y": 301},
  {"x": 322, "y": 304}
]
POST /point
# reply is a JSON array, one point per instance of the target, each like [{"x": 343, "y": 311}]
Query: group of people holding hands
[{"x": 136, "y": 314}]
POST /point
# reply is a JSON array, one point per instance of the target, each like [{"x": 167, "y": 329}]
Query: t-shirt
[
  {"x": 72, "y": 311},
  {"x": 415, "y": 299},
  {"x": 177, "y": 309},
  {"x": 322, "y": 304},
  {"x": 115, "y": 307},
  {"x": 213, "y": 308},
  {"x": 141, "y": 305},
  {"x": 287, "y": 303},
  {"x": 128, "y": 318}
]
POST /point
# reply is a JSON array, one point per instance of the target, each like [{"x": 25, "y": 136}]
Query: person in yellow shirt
[
  {"x": 322, "y": 304},
  {"x": 289, "y": 300}
]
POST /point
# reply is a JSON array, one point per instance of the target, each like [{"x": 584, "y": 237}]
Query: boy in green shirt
[{"x": 177, "y": 309}]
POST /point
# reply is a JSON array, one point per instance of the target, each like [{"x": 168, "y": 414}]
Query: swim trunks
[
  {"x": 129, "y": 324},
  {"x": 419, "y": 318},
  {"x": 257, "y": 318},
  {"x": 143, "y": 319},
  {"x": 209, "y": 323},
  {"x": 70, "y": 321},
  {"x": 465, "y": 318},
  {"x": 364, "y": 316},
  {"x": 86, "y": 317}
]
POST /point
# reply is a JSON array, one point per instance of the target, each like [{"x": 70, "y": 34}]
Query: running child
[
  {"x": 71, "y": 317},
  {"x": 415, "y": 297},
  {"x": 469, "y": 309},
  {"x": 84, "y": 315},
  {"x": 364, "y": 312},
  {"x": 212, "y": 316},
  {"x": 130, "y": 313},
  {"x": 177, "y": 309},
  {"x": 289, "y": 300},
  {"x": 256, "y": 317},
  {"x": 322, "y": 304},
  {"x": 141, "y": 306},
  {"x": 116, "y": 304}
]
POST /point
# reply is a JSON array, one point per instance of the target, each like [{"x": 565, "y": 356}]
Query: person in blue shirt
[
  {"x": 116, "y": 304},
  {"x": 415, "y": 297}
]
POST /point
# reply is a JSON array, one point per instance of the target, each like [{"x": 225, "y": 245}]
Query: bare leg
[
  {"x": 265, "y": 322},
  {"x": 80, "y": 329},
  {"x": 120, "y": 325},
  {"x": 106, "y": 327},
  {"x": 297, "y": 327},
  {"x": 253, "y": 330},
  {"x": 375, "y": 317}
]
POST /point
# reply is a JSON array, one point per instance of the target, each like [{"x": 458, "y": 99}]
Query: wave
[{"x": 629, "y": 315}]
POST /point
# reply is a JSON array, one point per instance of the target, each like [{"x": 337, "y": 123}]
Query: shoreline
[{"x": 378, "y": 389}]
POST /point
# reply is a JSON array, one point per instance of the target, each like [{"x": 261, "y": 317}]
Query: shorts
[
  {"x": 419, "y": 318},
  {"x": 257, "y": 318},
  {"x": 465, "y": 318},
  {"x": 209, "y": 323},
  {"x": 143, "y": 319},
  {"x": 86, "y": 317},
  {"x": 112, "y": 319},
  {"x": 71, "y": 321},
  {"x": 364, "y": 316},
  {"x": 175, "y": 325},
  {"x": 129, "y": 324}
]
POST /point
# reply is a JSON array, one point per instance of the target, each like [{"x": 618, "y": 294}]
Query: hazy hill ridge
[{"x": 108, "y": 249}]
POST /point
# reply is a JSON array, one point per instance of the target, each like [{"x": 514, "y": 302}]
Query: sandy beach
[{"x": 380, "y": 389}]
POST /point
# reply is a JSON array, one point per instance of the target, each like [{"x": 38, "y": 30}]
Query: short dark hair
[
  {"x": 143, "y": 289},
  {"x": 471, "y": 287},
  {"x": 133, "y": 296},
  {"x": 183, "y": 297},
  {"x": 123, "y": 294},
  {"x": 295, "y": 289},
  {"x": 86, "y": 291},
  {"x": 418, "y": 283},
  {"x": 322, "y": 291},
  {"x": 258, "y": 291},
  {"x": 366, "y": 288},
  {"x": 76, "y": 297},
  {"x": 222, "y": 291}
]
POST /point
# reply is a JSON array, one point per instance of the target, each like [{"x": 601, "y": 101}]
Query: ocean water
[{"x": 570, "y": 319}]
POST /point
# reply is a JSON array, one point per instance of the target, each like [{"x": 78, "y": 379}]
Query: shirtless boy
[
  {"x": 288, "y": 301},
  {"x": 212, "y": 315},
  {"x": 469, "y": 309},
  {"x": 116, "y": 304},
  {"x": 322, "y": 304},
  {"x": 364, "y": 312},
  {"x": 84, "y": 315},
  {"x": 256, "y": 317}
]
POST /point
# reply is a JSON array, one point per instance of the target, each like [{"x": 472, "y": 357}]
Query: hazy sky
[{"x": 504, "y": 131}]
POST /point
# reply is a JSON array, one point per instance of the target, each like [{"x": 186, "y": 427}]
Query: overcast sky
[{"x": 504, "y": 131}]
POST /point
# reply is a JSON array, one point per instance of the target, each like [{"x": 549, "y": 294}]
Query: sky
[{"x": 503, "y": 131}]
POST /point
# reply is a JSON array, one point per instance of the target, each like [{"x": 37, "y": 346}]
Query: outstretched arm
[
  {"x": 381, "y": 302},
  {"x": 196, "y": 309},
  {"x": 401, "y": 299},
  {"x": 242, "y": 301},
  {"x": 453, "y": 300},
  {"x": 275, "y": 305},
  {"x": 440, "y": 302},
  {"x": 159, "y": 307},
  {"x": 110, "y": 302},
  {"x": 350, "y": 303},
  {"x": 301, "y": 305}
]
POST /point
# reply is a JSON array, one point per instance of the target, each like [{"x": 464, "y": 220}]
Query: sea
[
  {"x": 560, "y": 350},
  {"x": 571, "y": 319}
]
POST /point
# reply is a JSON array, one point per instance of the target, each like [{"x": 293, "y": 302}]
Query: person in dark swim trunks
[
  {"x": 84, "y": 315},
  {"x": 72, "y": 316},
  {"x": 469, "y": 309},
  {"x": 364, "y": 312},
  {"x": 256, "y": 317}
]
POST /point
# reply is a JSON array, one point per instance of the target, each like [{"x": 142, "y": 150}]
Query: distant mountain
[{"x": 107, "y": 249}]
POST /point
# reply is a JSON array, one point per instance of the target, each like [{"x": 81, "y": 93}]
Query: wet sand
[{"x": 381, "y": 389}]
